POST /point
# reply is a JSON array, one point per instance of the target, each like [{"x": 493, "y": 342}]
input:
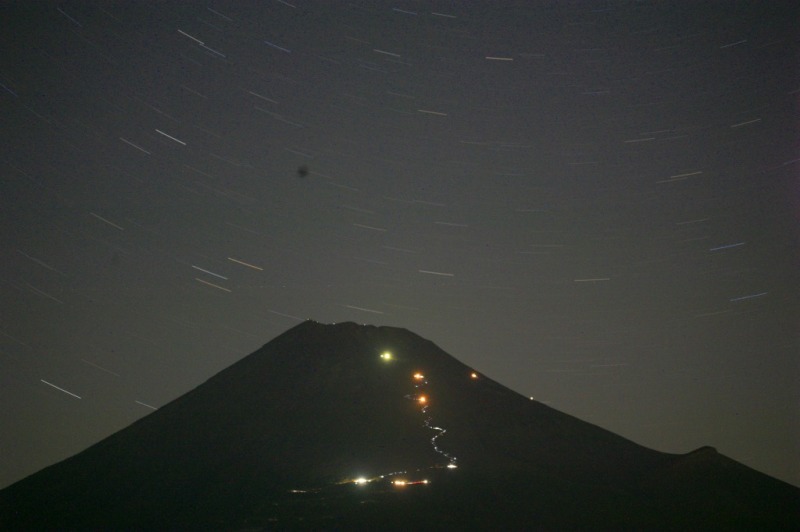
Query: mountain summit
[{"x": 346, "y": 425}]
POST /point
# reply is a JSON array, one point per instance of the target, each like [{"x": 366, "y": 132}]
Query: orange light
[
  {"x": 399, "y": 482},
  {"x": 474, "y": 375},
  {"x": 422, "y": 399},
  {"x": 419, "y": 376}
]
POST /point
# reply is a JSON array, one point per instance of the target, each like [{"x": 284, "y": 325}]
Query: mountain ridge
[{"x": 279, "y": 438}]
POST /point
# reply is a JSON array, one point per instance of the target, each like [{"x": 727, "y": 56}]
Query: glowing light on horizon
[
  {"x": 402, "y": 483},
  {"x": 473, "y": 375}
]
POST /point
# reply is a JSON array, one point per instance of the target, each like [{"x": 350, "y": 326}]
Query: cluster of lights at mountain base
[{"x": 401, "y": 483}]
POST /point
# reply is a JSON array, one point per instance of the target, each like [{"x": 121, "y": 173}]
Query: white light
[
  {"x": 386, "y": 355},
  {"x": 451, "y": 466},
  {"x": 360, "y": 480}
]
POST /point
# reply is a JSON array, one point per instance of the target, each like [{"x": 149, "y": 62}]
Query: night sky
[{"x": 594, "y": 203}]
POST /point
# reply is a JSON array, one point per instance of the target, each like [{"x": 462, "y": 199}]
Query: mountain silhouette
[{"x": 348, "y": 426}]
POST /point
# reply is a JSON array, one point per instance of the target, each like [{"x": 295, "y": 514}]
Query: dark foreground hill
[{"x": 322, "y": 428}]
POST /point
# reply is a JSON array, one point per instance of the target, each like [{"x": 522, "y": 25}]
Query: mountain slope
[{"x": 277, "y": 439}]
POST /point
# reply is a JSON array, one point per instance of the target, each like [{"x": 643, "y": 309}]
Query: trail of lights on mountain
[
  {"x": 402, "y": 478},
  {"x": 419, "y": 382}
]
